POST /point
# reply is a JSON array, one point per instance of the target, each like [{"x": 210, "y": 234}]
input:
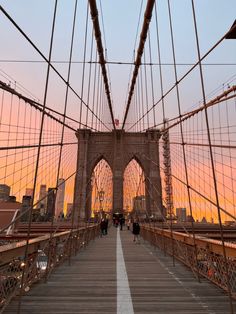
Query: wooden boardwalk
[{"x": 89, "y": 285}]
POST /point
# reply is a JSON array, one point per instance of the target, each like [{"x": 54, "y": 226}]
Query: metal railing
[
  {"x": 44, "y": 254},
  {"x": 210, "y": 261}
]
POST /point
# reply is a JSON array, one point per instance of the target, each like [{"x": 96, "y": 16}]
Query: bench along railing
[
  {"x": 18, "y": 273},
  {"x": 205, "y": 257}
]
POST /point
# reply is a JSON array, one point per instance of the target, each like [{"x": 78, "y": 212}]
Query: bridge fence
[
  {"x": 45, "y": 253},
  {"x": 210, "y": 261}
]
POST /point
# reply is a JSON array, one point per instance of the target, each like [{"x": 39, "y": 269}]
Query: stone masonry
[{"x": 118, "y": 148}]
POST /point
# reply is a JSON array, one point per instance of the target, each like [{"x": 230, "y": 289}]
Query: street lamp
[{"x": 101, "y": 198}]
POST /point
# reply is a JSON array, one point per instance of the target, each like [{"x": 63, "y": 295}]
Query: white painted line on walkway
[{"x": 124, "y": 300}]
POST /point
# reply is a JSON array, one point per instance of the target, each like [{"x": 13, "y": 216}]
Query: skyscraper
[
  {"x": 181, "y": 214},
  {"x": 50, "y": 203},
  {"x": 4, "y": 192},
  {"x": 42, "y": 199},
  {"x": 25, "y": 207},
  {"x": 60, "y": 197}
]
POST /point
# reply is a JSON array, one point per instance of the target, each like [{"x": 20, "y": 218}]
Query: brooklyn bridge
[{"x": 117, "y": 156}]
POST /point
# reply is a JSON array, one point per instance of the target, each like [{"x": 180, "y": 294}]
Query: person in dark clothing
[
  {"x": 122, "y": 222},
  {"x": 103, "y": 227},
  {"x": 106, "y": 225},
  {"x": 116, "y": 222},
  {"x": 136, "y": 231}
]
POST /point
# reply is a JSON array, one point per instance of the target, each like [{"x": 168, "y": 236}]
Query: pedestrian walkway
[{"x": 110, "y": 276}]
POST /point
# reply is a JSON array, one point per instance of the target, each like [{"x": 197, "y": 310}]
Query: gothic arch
[
  {"x": 96, "y": 162},
  {"x": 139, "y": 160},
  {"x": 135, "y": 186},
  {"x": 102, "y": 180},
  {"x": 118, "y": 148}
]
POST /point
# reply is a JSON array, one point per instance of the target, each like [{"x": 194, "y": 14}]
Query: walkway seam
[
  {"x": 124, "y": 300},
  {"x": 195, "y": 297}
]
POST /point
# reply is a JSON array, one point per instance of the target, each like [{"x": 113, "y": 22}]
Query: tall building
[
  {"x": 42, "y": 196},
  {"x": 59, "y": 206},
  {"x": 139, "y": 205},
  {"x": 51, "y": 203},
  {"x": 29, "y": 192},
  {"x": 25, "y": 207},
  {"x": 4, "y": 192},
  {"x": 69, "y": 209},
  {"x": 181, "y": 214}
]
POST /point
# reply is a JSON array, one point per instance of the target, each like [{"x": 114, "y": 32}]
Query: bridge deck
[{"x": 89, "y": 285}]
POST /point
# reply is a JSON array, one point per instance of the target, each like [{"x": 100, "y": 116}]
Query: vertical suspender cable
[
  {"x": 94, "y": 88},
  {"x": 164, "y": 118},
  {"x": 151, "y": 74},
  {"x": 146, "y": 87},
  {"x": 212, "y": 159},
  {"x": 64, "y": 114},
  {"x": 83, "y": 71},
  {"x": 97, "y": 34},
  {"x": 182, "y": 135},
  {"x": 141, "y": 90},
  {"x": 97, "y": 98},
  {"x": 143, "y": 36},
  {"x": 89, "y": 82},
  {"x": 38, "y": 156}
]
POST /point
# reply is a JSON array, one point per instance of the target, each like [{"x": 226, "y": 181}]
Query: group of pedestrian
[{"x": 120, "y": 222}]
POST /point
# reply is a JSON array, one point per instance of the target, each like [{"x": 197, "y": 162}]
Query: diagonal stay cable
[
  {"x": 47, "y": 61},
  {"x": 203, "y": 57},
  {"x": 40, "y": 107}
]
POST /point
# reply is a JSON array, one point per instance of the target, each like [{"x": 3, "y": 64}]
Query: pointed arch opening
[
  {"x": 134, "y": 191},
  {"x": 102, "y": 190}
]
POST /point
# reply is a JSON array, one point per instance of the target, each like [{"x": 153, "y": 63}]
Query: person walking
[
  {"x": 128, "y": 224},
  {"x": 136, "y": 231},
  {"x": 122, "y": 222},
  {"x": 103, "y": 227},
  {"x": 106, "y": 222}
]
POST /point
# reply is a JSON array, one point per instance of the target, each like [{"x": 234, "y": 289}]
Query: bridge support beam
[
  {"x": 118, "y": 163},
  {"x": 153, "y": 180},
  {"x": 81, "y": 179}
]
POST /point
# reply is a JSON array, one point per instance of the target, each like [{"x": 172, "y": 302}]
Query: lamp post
[{"x": 101, "y": 198}]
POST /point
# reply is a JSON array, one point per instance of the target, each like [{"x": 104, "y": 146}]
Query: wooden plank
[
  {"x": 158, "y": 287},
  {"x": 89, "y": 284}
]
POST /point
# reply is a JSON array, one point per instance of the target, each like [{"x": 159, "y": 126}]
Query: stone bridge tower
[{"x": 118, "y": 148}]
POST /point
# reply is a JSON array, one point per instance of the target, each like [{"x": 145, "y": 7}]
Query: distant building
[
  {"x": 8, "y": 213},
  {"x": 51, "y": 203},
  {"x": 25, "y": 207},
  {"x": 190, "y": 218},
  {"x": 4, "y": 192},
  {"x": 11, "y": 199},
  {"x": 42, "y": 199},
  {"x": 29, "y": 192},
  {"x": 59, "y": 206},
  {"x": 181, "y": 214},
  {"x": 69, "y": 210},
  {"x": 139, "y": 205}
]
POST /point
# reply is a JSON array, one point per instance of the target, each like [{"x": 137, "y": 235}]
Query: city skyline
[{"x": 21, "y": 122}]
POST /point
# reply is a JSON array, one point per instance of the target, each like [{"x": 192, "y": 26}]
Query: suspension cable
[
  {"x": 97, "y": 34},
  {"x": 212, "y": 157},
  {"x": 143, "y": 36}
]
